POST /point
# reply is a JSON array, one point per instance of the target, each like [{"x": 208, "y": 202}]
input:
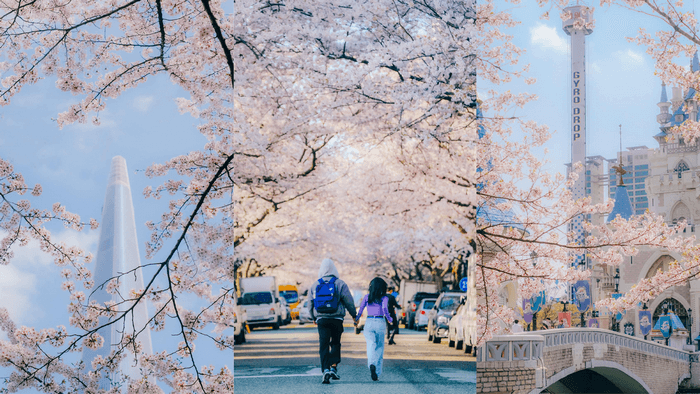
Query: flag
[
  {"x": 538, "y": 301},
  {"x": 583, "y": 295},
  {"x": 665, "y": 325},
  {"x": 564, "y": 319},
  {"x": 645, "y": 322},
  {"x": 615, "y": 296}
]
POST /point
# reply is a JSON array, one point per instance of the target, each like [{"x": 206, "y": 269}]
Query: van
[{"x": 291, "y": 295}]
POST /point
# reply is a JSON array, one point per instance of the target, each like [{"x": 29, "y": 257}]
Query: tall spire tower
[
  {"x": 118, "y": 257},
  {"x": 577, "y": 27}
]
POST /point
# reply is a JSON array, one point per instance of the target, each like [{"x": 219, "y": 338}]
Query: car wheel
[
  {"x": 459, "y": 345},
  {"x": 451, "y": 343},
  {"x": 276, "y": 326},
  {"x": 437, "y": 339},
  {"x": 301, "y": 323}
]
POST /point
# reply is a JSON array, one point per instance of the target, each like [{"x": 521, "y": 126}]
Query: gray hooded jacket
[{"x": 327, "y": 271}]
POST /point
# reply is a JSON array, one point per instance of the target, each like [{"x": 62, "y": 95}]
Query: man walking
[
  {"x": 330, "y": 297},
  {"x": 393, "y": 329}
]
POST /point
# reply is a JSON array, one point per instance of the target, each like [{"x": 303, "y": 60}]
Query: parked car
[
  {"x": 302, "y": 311},
  {"x": 421, "y": 320},
  {"x": 439, "y": 317},
  {"x": 456, "y": 326},
  {"x": 413, "y": 305},
  {"x": 291, "y": 295},
  {"x": 286, "y": 312}
]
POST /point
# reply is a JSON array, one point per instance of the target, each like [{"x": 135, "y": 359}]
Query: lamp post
[
  {"x": 533, "y": 256},
  {"x": 666, "y": 313},
  {"x": 617, "y": 280},
  {"x": 690, "y": 326},
  {"x": 645, "y": 307}
]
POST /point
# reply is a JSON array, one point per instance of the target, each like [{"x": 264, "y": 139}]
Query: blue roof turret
[{"x": 622, "y": 207}]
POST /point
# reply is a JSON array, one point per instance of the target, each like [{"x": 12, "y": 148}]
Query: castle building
[{"x": 671, "y": 176}]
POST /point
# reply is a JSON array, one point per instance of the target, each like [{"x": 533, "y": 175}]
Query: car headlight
[{"x": 443, "y": 319}]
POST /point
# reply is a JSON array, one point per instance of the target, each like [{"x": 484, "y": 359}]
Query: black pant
[
  {"x": 392, "y": 329},
  {"x": 329, "y": 332}
]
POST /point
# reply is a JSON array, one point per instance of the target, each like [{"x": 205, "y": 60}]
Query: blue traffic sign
[{"x": 463, "y": 284}]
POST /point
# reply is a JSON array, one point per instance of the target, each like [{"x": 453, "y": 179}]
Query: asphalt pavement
[{"x": 287, "y": 361}]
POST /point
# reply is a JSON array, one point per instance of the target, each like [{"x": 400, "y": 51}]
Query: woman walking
[{"x": 377, "y": 304}]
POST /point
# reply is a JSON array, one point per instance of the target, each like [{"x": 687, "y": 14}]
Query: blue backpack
[{"x": 326, "y": 300}]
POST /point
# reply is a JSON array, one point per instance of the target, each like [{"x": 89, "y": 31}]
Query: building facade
[{"x": 672, "y": 190}]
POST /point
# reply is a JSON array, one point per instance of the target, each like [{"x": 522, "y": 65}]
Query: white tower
[
  {"x": 118, "y": 256},
  {"x": 577, "y": 27}
]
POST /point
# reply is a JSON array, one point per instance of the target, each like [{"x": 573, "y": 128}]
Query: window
[
  {"x": 642, "y": 167},
  {"x": 641, "y": 173},
  {"x": 681, "y": 167},
  {"x": 640, "y": 199},
  {"x": 588, "y": 184},
  {"x": 639, "y": 186},
  {"x": 642, "y": 205},
  {"x": 639, "y": 211},
  {"x": 640, "y": 193}
]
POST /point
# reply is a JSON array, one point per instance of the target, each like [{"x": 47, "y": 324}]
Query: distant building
[{"x": 118, "y": 257}]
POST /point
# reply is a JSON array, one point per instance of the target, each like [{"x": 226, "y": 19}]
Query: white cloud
[
  {"x": 547, "y": 37},
  {"x": 629, "y": 58},
  {"x": 16, "y": 288},
  {"x": 143, "y": 103},
  {"x": 595, "y": 67},
  {"x": 24, "y": 280}
]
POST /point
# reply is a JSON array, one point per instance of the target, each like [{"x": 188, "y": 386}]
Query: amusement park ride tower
[{"x": 577, "y": 27}]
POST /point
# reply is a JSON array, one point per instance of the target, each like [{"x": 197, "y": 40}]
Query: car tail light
[
  {"x": 413, "y": 307},
  {"x": 403, "y": 314},
  {"x": 422, "y": 312}
]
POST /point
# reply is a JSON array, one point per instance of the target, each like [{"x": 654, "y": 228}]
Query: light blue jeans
[{"x": 375, "y": 331}]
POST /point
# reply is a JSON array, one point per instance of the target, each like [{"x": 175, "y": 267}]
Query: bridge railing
[
  {"x": 511, "y": 348},
  {"x": 567, "y": 336}
]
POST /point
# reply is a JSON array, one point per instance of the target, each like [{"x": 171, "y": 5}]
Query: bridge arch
[{"x": 607, "y": 373}]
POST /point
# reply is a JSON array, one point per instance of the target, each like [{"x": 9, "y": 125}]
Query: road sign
[{"x": 463, "y": 284}]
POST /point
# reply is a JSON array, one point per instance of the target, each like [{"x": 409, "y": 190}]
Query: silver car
[
  {"x": 422, "y": 312},
  {"x": 303, "y": 309},
  {"x": 439, "y": 317}
]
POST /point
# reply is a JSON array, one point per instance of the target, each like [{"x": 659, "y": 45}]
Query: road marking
[
  {"x": 312, "y": 372},
  {"x": 276, "y": 376},
  {"x": 457, "y": 375}
]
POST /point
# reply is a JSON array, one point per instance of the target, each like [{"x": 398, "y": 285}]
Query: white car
[
  {"x": 455, "y": 332},
  {"x": 303, "y": 310},
  {"x": 421, "y": 319}
]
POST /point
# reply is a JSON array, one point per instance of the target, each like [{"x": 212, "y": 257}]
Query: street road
[{"x": 287, "y": 361}]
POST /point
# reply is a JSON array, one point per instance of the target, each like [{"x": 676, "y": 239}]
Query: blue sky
[
  {"x": 72, "y": 165},
  {"x": 621, "y": 85}
]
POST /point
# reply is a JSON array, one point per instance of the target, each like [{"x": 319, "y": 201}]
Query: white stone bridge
[{"x": 583, "y": 360}]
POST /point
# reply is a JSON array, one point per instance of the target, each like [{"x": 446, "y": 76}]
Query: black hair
[{"x": 377, "y": 290}]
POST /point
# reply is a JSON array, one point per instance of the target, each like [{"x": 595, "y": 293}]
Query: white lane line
[{"x": 277, "y": 376}]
